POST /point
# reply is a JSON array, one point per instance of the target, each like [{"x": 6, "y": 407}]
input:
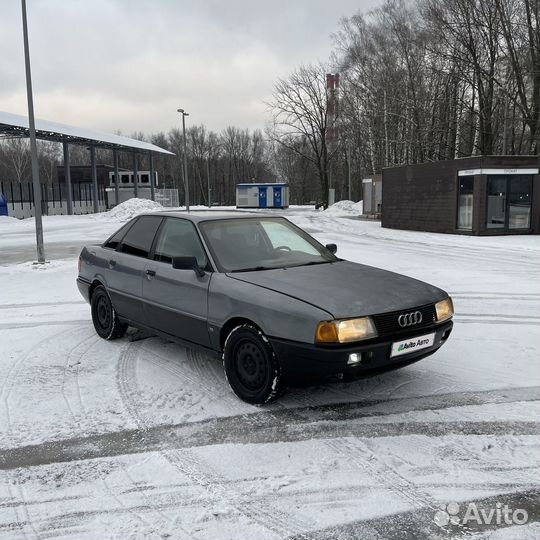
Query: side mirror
[
  {"x": 187, "y": 263},
  {"x": 332, "y": 248}
]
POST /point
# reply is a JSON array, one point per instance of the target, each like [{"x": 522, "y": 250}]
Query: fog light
[{"x": 354, "y": 358}]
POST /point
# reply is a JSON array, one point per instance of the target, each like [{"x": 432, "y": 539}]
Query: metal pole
[
  {"x": 116, "y": 177},
  {"x": 33, "y": 143},
  {"x": 208, "y": 180},
  {"x": 152, "y": 177},
  {"x": 186, "y": 182},
  {"x": 67, "y": 179},
  {"x": 349, "y": 172},
  {"x": 135, "y": 176},
  {"x": 95, "y": 194}
]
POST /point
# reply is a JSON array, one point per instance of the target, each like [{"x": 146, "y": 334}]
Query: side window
[
  {"x": 140, "y": 236},
  {"x": 115, "y": 239},
  {"x": 178, "y": 238}
]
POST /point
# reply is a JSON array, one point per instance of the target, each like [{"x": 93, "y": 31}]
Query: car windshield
[{"x": 251, "y": 244}]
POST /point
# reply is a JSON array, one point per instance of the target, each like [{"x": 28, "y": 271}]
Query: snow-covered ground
[{"x": 143, "y": 439}]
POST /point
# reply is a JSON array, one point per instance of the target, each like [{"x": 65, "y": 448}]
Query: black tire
[
  {"x": 104, "y": 317},
  {"x": 251, "y": 366}
]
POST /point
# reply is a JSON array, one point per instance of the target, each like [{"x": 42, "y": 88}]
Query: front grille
[{"x": 387, "y": 323}]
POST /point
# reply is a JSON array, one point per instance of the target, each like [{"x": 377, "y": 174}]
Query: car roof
[{"x": 208, "y": 215}]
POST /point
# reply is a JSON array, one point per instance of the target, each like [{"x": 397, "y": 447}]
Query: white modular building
[{"x": 274, "y": 195}]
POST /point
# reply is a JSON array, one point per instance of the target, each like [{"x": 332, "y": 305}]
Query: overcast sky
[{"x": 129, "y": 64}]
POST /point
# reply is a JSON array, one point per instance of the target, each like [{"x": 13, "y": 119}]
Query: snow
[
  {"x": 4, "y": 220},
  {"x": 130, "y": 208},
  {"x": 346, "y": 208},
  {"x": 144, "y": 439}
]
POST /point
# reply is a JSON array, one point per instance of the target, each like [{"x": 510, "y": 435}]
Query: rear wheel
[
  {"x": 104, "y": 317},
  {"x": 251, "y": 366}
]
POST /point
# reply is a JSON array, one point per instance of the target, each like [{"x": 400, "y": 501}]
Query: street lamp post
[
  {"x": 33, "y": 144},
  {"x": 208, "y": 181},
  {"x": 184, "y": 151}
]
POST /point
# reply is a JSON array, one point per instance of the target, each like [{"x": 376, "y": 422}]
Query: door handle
[
  {"x": 112, "y": 263},
  {"x": 150, "y": 273}
]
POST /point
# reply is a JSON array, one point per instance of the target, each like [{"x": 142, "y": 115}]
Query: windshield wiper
[
  {"x": 253, "y": 269},
  {"x": 311, "y": 263}
]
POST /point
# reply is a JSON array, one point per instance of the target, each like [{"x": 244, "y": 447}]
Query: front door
[
  {"x": 277, "y": 197},
  {"x": 262, "y": 197},
  {"x": 509, "y": 200},
  {"x": 175, "y": 301}
]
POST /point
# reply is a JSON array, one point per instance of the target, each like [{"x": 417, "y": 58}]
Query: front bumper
[{"x": 301, "y": 361}]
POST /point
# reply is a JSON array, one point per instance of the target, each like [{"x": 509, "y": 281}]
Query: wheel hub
[
  {"x": 103, "y": 312},
  {"x": 250, "y": 365}
]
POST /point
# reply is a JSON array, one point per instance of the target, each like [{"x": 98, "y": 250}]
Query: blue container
[{"x": 3, "y": 205}]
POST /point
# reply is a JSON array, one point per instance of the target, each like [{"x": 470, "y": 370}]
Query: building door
[
  {"x": 277, "y": 197},
  {"x": 262, "y": 197},
  {"x": 509, "y": 201},
  {"x": 465, "y": 202}
]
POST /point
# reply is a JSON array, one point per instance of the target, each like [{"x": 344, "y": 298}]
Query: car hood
[{"x": 345, "y": 289}]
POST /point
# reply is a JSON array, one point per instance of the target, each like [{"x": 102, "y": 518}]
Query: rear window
[
  {"x": 140, "y": 236},
  {"x": 115, "y": 239}
]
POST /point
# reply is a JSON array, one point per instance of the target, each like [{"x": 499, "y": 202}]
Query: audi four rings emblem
[{"x": 410, "y": 319}]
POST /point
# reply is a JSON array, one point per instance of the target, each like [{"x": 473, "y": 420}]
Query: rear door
[
  {"x": 176, "y": 301},
  {"x": 127, "y": 265}
]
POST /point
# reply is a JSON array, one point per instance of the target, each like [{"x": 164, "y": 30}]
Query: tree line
[
  {"x": 419, "y": 81},
  {"x": 411, "y": 81},
  {"x": 220, "y": 159}
]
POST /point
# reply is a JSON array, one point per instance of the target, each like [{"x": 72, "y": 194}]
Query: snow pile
[
  {"x": 4, "y": 220},
  {"x": 132, "y": 207},
  {"x": 346, "y": 208}
]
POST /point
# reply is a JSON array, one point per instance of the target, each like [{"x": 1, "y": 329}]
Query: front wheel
[
  {"x": 104, "y": 317},
  {"x": 251, "y": 366}
]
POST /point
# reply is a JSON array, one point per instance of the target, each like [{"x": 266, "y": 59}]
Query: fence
[
  {"x": 167, "y": 197},
  {"x": 20, "y": 198}
]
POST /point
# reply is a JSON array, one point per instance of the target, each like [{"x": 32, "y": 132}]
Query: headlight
[
  {"x": 444, "y": 309},
  {"x": 345, "y": 331}
]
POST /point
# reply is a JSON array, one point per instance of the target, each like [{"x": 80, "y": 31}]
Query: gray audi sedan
[{"x": 276, "y": 304}]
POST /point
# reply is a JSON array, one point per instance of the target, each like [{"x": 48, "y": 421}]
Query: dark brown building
[{"x": 483, "y": 195}]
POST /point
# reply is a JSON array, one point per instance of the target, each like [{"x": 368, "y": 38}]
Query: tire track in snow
[
  {"x": 185, "y": 462},
  {"x": 42, "y": 304},
  {"x": 8, "y": 384},
  {"x": 420, "y": 524},
  {"x": 213, "y": 388},
  {"x": 358, "y": 453},
  {"x": 286, "y": 425},
  {"x": 20, "y": 523},
  {"x": 490, "y": 254},
  {"x": 70, "y": 322},
  {"x": 10, "y": 377},
  {"x": 69, "y": 364}
]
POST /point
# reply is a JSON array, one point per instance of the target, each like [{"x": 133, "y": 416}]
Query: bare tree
[
  {"x": 301, "y": 109},
  {"x": 15, "y": 154}
]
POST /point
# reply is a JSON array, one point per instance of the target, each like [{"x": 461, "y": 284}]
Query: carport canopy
[
  {"x": 17, "y": 126},
  {"x": 14, "y": 125}
]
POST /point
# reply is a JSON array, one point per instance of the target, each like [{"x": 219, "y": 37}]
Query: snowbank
[
  {"x": 346, "y": 207},
  {"x": 4, "y": 220},
  {"x": 126, "y": 210}
]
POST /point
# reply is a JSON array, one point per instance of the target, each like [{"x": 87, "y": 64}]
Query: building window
[{"x": 465, "y": 204}]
